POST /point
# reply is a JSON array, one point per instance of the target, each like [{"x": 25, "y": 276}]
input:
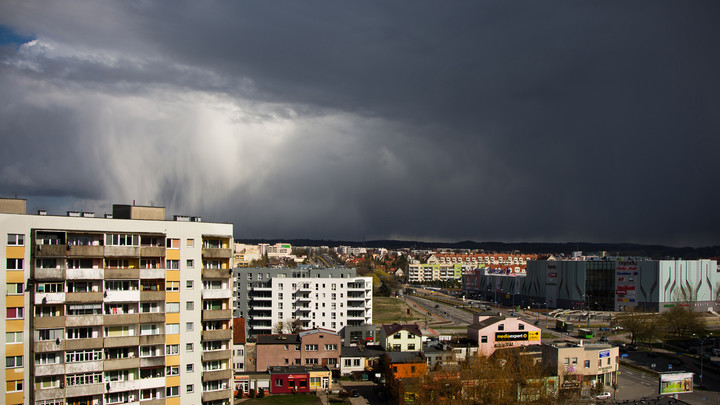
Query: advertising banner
[
  {"x": 673, "y": 383},
  {"x": 516, "y": 336}
]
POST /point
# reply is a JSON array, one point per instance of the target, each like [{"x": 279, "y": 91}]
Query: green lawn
[
  {"x": 306, "y": 399},
  {"x": 390, "y": 309}
]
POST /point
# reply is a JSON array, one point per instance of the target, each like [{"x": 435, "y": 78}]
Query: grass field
[
  {"x": 390, "y": 309},
  {"x": 307, "y": 399}
]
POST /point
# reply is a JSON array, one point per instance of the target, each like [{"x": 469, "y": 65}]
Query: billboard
[
  {"x": 517, "y": 336},
  {"x": 673, "y": 383}
]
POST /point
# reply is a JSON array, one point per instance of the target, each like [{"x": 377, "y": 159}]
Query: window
[
  {"x": 13, "y": 337},
  {"x": 483, "y": 339},
  {"x": 311, "y": 348},
  {"x": 189, "y": 284},
  {"x": 521, "y": 326},
  {"x": 501, "y": 327},
  {"x": 587, "y": 363},
  {"x": 311, "y": 361},
  {"x": 172, "y": 370},
  {"x": 13, "y": 361},
  {"x": 47, "y": 382},
  {"x": 189, "y": 347},
  {"x": 172, "y": 286},
  {"x": 14, "y": 386},
  {"x": 217, "y": 264},
  {"x": 173, "y": 243},
  {"x": 48, "y": 358},
  {"x": 150, "y": 329},
  {"x": 599, "y": 362},
  {"x": 79, "y": 333},
  {"x": 83, "y": 379},
  {"x": 172, "y": 264},
  {"x": 191, "y": 243},
  {"x": 46, "y": 311},
  {"x": 15, "y": 288},
  {"x": 189, "y": 368},
  {"x": 189, "y": 326},
  {"x": 189, "y": 305},
  {"x": 279, "y": 382},
  {"x": 331, "y": 347},
  {"x": 574, "y": 360},
  {"x": 84, "y": 309},
  {"x": 172, "y": 391},
  {"x": 16, "y": 239},
  {"x": 396, "y": 336},
  {"x": 14, "y": 264},
  {"x": 172, "y": 329},
  {"x": 566, "y": 361},
  {"x": 172, "y": 349},
  {"x": 15, "y": 313},
  {"x": 49, "y": 334},
  {"x": 190, "y": 263},
  {"x": 411, "y": 346},
  {"x": 83, "y": 356}
]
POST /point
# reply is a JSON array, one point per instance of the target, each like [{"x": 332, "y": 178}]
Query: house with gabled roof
[
  {"x": 491, "y": 332},
  {"x": 400, "y": 337}
]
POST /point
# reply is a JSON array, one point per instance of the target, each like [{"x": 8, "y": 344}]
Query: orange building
[{"x": 405, "y": 365}]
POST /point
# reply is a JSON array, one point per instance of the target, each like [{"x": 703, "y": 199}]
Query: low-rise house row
[
  {"x": 400, "y": 337},
  {"x": 307, "y": 348}
]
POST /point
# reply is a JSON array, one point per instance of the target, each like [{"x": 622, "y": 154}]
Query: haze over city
[{"x": 494, "y": 120}]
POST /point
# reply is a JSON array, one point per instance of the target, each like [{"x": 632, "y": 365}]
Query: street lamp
[{"x": 702, "y": 352}]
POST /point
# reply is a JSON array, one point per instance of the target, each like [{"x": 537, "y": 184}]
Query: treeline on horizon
[{"x": 611, "y": 249}]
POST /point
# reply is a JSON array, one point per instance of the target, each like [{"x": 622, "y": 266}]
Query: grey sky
[{"x": 493, "y": 120}]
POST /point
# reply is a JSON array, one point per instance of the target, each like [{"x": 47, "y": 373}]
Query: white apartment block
[
  {"x": 129, "y": 308},
  {"x": 317, "y": 298}
]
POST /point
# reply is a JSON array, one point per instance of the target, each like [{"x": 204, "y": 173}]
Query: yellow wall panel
[
  {"x": 15, "y": 252},
  {"x": 15, "y": 301},
  {"x": 13, "y": 374},
  {"x": 15, "y": 325},
  {"x": 172, "y": 275},
  {"x": 15, "y": 398},
  {"x": 13, "y": 276},
  {"x": 172, "y": 297},
  {"x": 171, "y": 361},
  {"x": 172, "y": 401},
  {"x": 172, "y": 339},
  {"x": 172, "y": 381},
  {"x": 172, "y": 254},
  {"x": 172, "y": 318},
  {"x": 15, "y": 349}
]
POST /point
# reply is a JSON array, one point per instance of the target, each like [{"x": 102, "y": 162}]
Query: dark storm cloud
[{"x": 476, "y": 120}]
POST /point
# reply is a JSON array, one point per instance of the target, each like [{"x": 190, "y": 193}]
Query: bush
[
  {"x": 251, "y": 394},
  {"x": 261, "y": 393}
]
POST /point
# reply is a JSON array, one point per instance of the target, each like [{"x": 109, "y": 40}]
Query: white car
[{"x": 604, "y": 395}]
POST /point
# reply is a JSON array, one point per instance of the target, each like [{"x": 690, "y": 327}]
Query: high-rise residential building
[
  {"x": 127, "y": 308},
  {"x": 272, "y": 299}
]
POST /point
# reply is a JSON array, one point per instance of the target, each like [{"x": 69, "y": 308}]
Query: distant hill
[{"x": 612, "y": 249}]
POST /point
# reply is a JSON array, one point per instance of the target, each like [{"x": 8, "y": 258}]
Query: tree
[
  {"x": 292, "y": 325},
  {"x": 278, "y": 328},
  {"x": 684, "y": 322}
]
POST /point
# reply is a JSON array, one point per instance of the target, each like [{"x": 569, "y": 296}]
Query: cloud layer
[{"x": 490, "y": 121}]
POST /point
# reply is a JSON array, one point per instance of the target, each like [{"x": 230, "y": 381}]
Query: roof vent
[
  {"x": 109, "y": 216},
  {"x": 181, "y": 218},
  {"x": 88, "y": 214},
  {"x": 42, "y": 212},
  {"x": 73, "y": 213},
  {"x": 196, "y": 219}
]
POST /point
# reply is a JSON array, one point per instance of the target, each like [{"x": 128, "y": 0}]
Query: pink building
[
  {"x": 497, "y": 332},
  {"x": 307, "y": 348}
]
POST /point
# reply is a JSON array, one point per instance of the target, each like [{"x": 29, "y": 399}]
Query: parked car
[
  {"x": 604, "y": 329},
  {"x": 355, "y": 393},
  {"x": 604, "y": 395},
  {"x": 604, "y": 339}
]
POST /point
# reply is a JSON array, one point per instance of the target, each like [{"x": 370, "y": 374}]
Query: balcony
[
  {"x": 83, "y": 320},
  {"x": 356, "y": 286},
  {"x": 121, "y": 364},
  {"x": 85, "y": 251},
  {"x": 120, "y": 386},
  {"x": 261, "y": 297},
  {"x": 49, "y": 369},
  {"x": 216, "y": 314},
  {"x": 83, "y": 390},
  {"x": 48, "y": 322},
  {"x": 51, "y": 393},
  {"x": 122, "y": 341},
  {"x": 51, "y": 250},
  {"x": 262, "y": 287},
  {"x": 122, "y": 251},
  {"x": 217, "y": 375},
  {"x": 304, "y": 298},
  {"x": 216, "y": 395},
  {"x": 152, "y": 295},
  {"x": 121, "y": 319},
  {"x": 211, "y": 274},
  {"x": 84, "y": 367},
  {"x": 49, "y": 274},
  {"x": 152, "y": 339},
  {"x": 152, "y": 251},
  {"x": 152, "y": 361},
  {"x": 222, "y": 334},
  {"x": 121, "y": 274},
  {"x": 49, "y": 298},
  {"x": 153, "y": 274},
  {"x": 122, "y": 296},
  {"x": 216, "y": 253},
  {"x": 83, "y": 297},
  {"x": 152, "y": 317},
  {"x": 82, "y": 344},
  {"x": 148, "y": 383},
  {"x": 223, "y": 293},
  {"x": 85, "y": 274},
  {"x": 216, "y": 355},
  {"x": 48, "y": 346}
]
